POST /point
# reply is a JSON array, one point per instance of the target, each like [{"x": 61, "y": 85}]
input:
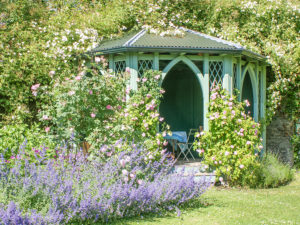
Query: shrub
[
  {"x": 73, "y": 190},
  {"x": 14, "y": 135},
  {"x": 296, "y": 149},
  {"x": 273, "y": 173},
  {"x": 83, "y": 102},
  {"x": 137, "y": 121},
  {"x": 231, "y": 146}
]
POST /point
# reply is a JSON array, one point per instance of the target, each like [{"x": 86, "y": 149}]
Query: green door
[
  {"x": 182, "y": 104},
  {"x": 247, "y": 93}
]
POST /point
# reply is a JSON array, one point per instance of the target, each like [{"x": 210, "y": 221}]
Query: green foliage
[
  {"x": 296, "y": 149},
  {"x": 14, "y": 137},
  {"x": 33, "y": 35},
  {"x": 273, "y": 173},
  {"x": 137, "y": 121},
  {"x": 83, "y": 102},
  {"x": 231, "y": 146}
]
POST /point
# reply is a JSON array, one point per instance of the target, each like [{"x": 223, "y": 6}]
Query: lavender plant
[{"x": 73, "y": 190}]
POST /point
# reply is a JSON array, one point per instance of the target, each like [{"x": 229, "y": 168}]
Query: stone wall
[{"x": 279, "y": 134}]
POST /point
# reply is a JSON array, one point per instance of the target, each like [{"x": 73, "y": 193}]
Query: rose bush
[
  {"x": 231, "y": 146},
  {"x": 138, "y": 121},
  {"x": 84, "y": 102}
]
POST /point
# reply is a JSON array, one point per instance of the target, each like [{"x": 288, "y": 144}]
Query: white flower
[
  {"x": 124, "y": 172},
  {"x": 97, "y": 59},
  {"x": 64, "y": 38}
]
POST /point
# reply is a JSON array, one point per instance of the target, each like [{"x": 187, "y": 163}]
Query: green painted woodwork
[
  {"x": 247, "y": 93},
  {"x": 182, "y": 104}
]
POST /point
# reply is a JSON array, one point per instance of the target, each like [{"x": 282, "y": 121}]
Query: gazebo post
[
  {"x": 239, "y": 77},
  {"x": 263, "y": 105},
  {"x": 228, "y": 71},
  {"x": 111, "y": 61},
  {"x": 133, "y": 65},
  {"x": 156, "y": 61},
  {"x": 256, "y": 103},
  {"x": 206, "y": 91}
]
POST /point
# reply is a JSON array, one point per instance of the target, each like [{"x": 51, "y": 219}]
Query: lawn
[{"x": 236, "y": 206}]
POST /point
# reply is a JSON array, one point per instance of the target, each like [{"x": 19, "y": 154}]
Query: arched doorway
[
  {"x": 182, "y": 104},
  {"x": 247, "y": 93}
]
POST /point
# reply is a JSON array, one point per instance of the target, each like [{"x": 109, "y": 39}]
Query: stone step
[{"x": 196, "y": 169}]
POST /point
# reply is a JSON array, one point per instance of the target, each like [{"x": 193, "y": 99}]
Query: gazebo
[{"x": 190, "y": 65}]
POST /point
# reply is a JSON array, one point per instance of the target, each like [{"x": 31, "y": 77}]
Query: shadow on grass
[{"x": 152, "y": 217}]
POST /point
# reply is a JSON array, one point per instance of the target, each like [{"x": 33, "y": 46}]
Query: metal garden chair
[{"x": 185, "y": 148}]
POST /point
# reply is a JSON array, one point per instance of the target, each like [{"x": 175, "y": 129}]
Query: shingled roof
[{"x": 192, "y": 41}]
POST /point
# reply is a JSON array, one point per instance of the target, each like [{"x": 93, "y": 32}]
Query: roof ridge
[
  {"x": 134, "y": 38},
  {"x": 213, "y": 38}
]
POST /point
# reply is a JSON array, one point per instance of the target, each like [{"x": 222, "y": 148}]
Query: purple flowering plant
[
  {"x": 73, "y": 190},
  {"x": 231, "y": 146}
]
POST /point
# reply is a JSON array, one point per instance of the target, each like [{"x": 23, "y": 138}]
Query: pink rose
[
  {"x": 45, "y": 117},
  {"x": 93, "y": 115},
  {"x": 157, "y": 77},
  {"x": 35, "y": 87},
  {"x": 97, "y": 59},
  {"x": 71, "y": 93},
  {"x": 109, "y": 107},
  {"x": 47, "y": 129},
  {"x": 139, "y": 182},
  {"x": 77, "y": 77}
]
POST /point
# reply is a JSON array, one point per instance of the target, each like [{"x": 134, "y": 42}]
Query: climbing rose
[
  {"x": 109, "y": 107},
  {"x": 77, "y": 77},
  {"x": 35, "y": 87}
]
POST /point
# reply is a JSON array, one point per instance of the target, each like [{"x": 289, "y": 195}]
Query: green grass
[{"x": 235, "y": 206}]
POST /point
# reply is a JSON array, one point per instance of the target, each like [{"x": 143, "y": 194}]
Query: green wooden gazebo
[{"x": 190, "y": 65}]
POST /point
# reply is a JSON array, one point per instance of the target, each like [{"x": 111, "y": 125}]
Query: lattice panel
[
  {"x": 234, "y": 76},
  {"x": 144, "y": 65},
  {"x": 215, "y": 73},
  {"x": 120, "y": 67}
]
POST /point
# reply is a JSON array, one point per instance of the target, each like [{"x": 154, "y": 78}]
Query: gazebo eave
[{"x": 180, "y": 50}]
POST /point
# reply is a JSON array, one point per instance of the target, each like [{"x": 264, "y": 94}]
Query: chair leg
[
  {"x": 182, "y": 151},
  {"x": 189, "y": 151}
]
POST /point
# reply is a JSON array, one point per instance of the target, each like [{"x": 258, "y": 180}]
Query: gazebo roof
[{"x": 191, "y": 42}]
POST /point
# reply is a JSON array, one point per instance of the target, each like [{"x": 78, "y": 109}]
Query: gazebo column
[
  {"x": 206, "y": 91},
  {"x": 239, "y": 77},
  {"x": 133, "y": 66},
  {"x": 111, "y": 62},
  {"x": 228, "y": 71},
  {"x": 263, "y": 105},
  {"x": 256, "y": 103},
  {"x": 156, "y": 61}
]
